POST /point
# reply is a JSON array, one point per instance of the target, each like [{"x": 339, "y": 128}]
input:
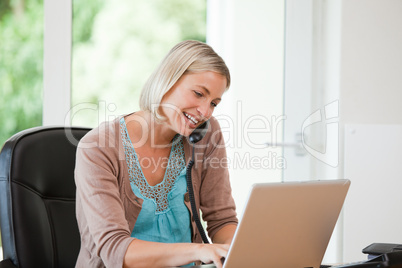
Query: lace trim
[{"x": 159, "y": 193}]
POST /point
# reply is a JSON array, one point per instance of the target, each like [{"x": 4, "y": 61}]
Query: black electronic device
[
  {"x": 382, "y": 255},
  {"x": 195, "y": 137},
  {"x": 199, "y": 133},
  {"x": 376, "y": 249}
]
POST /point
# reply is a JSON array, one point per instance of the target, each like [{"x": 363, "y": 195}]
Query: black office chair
[{"x": 37, "y": 198}]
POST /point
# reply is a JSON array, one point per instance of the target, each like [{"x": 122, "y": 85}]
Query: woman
[{"x": 132, "y": 201}]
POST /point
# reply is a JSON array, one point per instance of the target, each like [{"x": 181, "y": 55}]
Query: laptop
[{"x": 286, "y": 225}]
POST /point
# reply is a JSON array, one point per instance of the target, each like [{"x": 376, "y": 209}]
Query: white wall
[
  {"x": 373, "y": 208},
  {"x": 370, "y": 111},
  {"x": 371, "y": 70}
]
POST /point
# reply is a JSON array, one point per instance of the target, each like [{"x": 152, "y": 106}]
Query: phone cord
[{"x": 192, "y": 201}]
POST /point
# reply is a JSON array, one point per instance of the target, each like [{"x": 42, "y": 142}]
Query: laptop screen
[{"x": 287, "y": 224}]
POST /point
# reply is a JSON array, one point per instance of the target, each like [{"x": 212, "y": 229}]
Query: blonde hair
[{"x": 186, "y": 57}]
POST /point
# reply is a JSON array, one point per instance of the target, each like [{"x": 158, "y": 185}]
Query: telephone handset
[
  {"x": 195, "y": 137},
  {"x": 199, "y": 133}
]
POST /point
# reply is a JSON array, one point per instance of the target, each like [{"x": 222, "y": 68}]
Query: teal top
[{"x": 164, "y": 216}]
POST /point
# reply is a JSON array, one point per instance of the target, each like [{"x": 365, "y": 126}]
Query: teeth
[{"x": 191, "y": 118}]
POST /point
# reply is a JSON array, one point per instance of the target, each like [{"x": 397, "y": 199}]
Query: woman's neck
[{"x": 149, "y": 131}]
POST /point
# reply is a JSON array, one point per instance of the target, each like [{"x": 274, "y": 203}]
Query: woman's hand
[
  {"x": 151, "y": 254},
  {"x": 213, "y": 253}
]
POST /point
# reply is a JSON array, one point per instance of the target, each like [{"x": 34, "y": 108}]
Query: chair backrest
[{"x": 37, "y": 197}]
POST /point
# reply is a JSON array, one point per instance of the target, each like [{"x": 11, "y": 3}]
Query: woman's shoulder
[
  {"x": 214, "y": 132},
  {"x": 104, "y": 135},
  {"x": 214, "y": 124},
  {"x": 104, "y": 129},
  {"x": 103, "y": 141}
]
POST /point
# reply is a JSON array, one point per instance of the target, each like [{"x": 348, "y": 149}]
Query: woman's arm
[
  {"x": 105, "y": 231},
  {"x": 225, "y": 235},
  {"x": 142, "y": 253}
]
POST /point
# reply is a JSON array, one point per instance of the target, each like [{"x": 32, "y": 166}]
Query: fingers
[
  {"x": 218, "y": 263},
  {"x": 221, "y": 252},
  {"x": 213, "y": 253}
]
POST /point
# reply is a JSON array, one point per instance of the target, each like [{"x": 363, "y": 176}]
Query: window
[
  {"x": 116, "y": 46},
  {"x": 21, "y": 65}
]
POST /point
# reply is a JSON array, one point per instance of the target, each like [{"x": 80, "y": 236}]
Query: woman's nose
[{"x": 205, "y": 110}]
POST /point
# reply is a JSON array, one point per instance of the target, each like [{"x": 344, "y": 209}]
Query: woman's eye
[
  {"x": 198, "y": 94},
  {"x": 213, "y": 104}
]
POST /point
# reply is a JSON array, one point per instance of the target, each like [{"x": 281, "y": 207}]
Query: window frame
[{"x": 57, "y": 45}]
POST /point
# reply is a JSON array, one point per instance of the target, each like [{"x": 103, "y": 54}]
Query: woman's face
[{"x": 191, "y": 101}]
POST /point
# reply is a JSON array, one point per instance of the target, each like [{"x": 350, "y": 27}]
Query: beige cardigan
[{"x": 107, "y": 208}]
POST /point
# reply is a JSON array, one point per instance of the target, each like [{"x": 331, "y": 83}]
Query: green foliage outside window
[{"x": 21, "y": 65}]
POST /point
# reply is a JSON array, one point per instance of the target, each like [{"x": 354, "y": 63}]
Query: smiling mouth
[{"x": 192, "y": 119}]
